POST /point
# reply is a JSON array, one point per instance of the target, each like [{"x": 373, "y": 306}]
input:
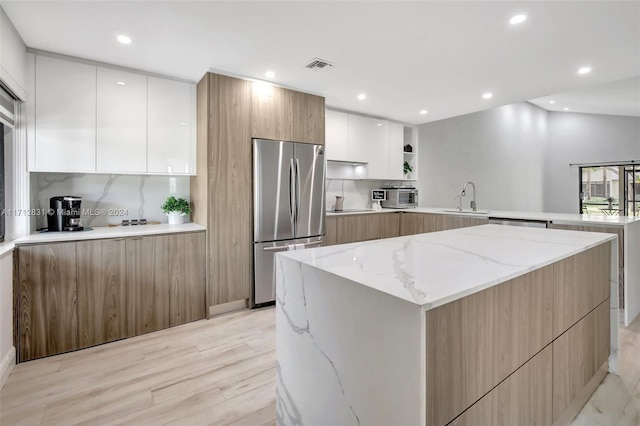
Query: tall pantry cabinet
[{"x": 230, "y": 112}]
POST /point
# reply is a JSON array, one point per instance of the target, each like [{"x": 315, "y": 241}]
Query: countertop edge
[
  {"x": 105, "y": 232},
  {"x": 6, "y": 247},
  {"x": 558, "y": 218}
]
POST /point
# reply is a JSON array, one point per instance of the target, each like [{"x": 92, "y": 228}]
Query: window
[{"x": 610, "y": 189}]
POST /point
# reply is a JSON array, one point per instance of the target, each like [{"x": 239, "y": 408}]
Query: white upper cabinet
[
  {"x": 121, "y": 121},
  {"x": 65, "y": 116},
  {"x": 13, "y": 58},
  {"x": 395, "y": 157},
  {"x": 378, "y": 143},
  {"x": 336, "y": 135},
  {"x": 103, "y": 120},
  {"x": 368, "y": 143},
  {"x": 170, "y": 138}
]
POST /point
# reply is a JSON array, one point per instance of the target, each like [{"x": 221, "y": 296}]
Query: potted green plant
[
  {"x": 407, "y": 168},
  {"x": 176, "y": 209}
]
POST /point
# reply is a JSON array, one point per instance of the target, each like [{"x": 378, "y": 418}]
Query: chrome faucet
[{"x": 463, "y": 193}]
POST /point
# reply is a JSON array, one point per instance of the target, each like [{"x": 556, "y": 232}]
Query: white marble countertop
[
  {"x": 107, "y": 232},
  {"x": 560, "y": 218},
  {"x": 439, "y": 267}
]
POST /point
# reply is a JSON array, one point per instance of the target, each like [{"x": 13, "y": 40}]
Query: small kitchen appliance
[
  {"x": 400, "y": 197},
  {"x": 64, "y": 213},
  {"x": 339, "y": 204}
]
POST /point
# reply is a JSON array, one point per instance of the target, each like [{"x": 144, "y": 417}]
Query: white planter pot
[{"x": 175, "y": 218}]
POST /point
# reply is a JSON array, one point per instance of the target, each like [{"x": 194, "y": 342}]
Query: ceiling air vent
[{"x": 319, "y": 64}]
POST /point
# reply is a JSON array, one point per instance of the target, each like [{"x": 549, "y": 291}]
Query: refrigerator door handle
[
  {"x": 297, "y": 191},
  {"x": 292, "y": 193}
]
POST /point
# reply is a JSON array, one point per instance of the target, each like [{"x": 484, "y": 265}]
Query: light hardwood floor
[
  {"x": 220, "y": 371},
  {"x": 217, "y": 372}
]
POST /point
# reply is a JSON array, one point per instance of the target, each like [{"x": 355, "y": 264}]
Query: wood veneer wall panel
[
  {"x": 230, "y": 207},
  {"x": 523, "y": 399},
  {"x": 186, "y": 278},
  {"x": 147, "y": 284},
  {"x": 102, "y": 291},
  {"x": 474, "y": 343},
  {"x": 48, "y": 310},
  {"x": 574, "y": 362}
]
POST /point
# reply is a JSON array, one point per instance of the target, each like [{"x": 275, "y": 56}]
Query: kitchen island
[
  {"x": 492, "y": 324},
  {"x": 429, "y": 219}
]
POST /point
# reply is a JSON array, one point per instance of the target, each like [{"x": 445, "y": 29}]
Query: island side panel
[
  {"x": 614, "y": 317},
  {"x": 631, "y": 272},
  {"x": 346, "y": 354},
  {"x": 474, "y": 343}
]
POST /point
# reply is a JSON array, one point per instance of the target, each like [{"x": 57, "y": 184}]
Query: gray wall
[
  {"x": 519, "y": 156},
  {"x": 583, "y": 138},
  {"x": 501, "y": 150}
]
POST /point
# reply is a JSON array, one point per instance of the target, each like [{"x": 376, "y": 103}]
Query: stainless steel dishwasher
[{"x": 520, "y": 222}]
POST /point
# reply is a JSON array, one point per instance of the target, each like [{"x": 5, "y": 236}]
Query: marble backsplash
[{"x": 107, "y": 199}]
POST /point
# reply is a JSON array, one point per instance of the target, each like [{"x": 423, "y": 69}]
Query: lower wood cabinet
[
  {"x": 79, "y": 294},
  {"x": 361, "y": 227},
  {"x": 102, "y": 291},
  {"x": 419, "y": 223},
  {"x": 501, "y": 356},
  {"x": 525, "y": 398},
  {"x": 47, "y": 311}
]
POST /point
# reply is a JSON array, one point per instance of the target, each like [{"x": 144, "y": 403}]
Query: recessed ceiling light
[
  {"x": 487, "y": 95},
  {"x": 424, "y": 112},
  {"x": 566, "y": 109},
  {"x": 269, "y": 74},
  {"x": 121, "y": 83},
  {"x": 552, "y": 102},
  {"x": 584, "y": 70},
  {"x": 379, "y": 124},
  {"x": 124, "y": 39},
  {"x": 362, "y": 97},
  {"x": 518, "y": 19},
  {"x": 183, "y": 124}
]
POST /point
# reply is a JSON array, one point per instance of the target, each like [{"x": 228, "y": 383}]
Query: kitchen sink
[{"x": 464, "y": 211}]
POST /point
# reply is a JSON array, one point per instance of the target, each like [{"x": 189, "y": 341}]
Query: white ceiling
[
  {"x": 406, "y": 56},
  {"x": 621, "y": 97}
]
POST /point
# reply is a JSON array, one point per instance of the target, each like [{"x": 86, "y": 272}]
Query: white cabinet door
[
  {"x": 65, "y": 116},
  {"x": 395, "y": 155},
  {"x": 336, "y": 135},
  {"x": 121, "y": 121},
  {"x": 368, "y": 143},
  {"x": 13, "y": 57},
  {"x": 169, "y": 126}
]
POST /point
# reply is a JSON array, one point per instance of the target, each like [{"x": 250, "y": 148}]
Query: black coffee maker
[{"x": 64, "y": 214}]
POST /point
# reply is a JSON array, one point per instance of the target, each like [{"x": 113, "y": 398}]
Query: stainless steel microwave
[{"x": 400, "y": 198}]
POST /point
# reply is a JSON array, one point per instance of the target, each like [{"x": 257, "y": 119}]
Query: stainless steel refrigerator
[{"x": 288, "y": 206}]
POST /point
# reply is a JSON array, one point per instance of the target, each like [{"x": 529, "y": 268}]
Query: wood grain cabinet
[
  {"x": 102, "y": 291},
  {"x": 79, "y": 294},
  {"x": 283, "y": 114},
  {"x": 47, "y": 311},
  {"x": 419, "y": 223},
  {"x": 354, "y": 228}
]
